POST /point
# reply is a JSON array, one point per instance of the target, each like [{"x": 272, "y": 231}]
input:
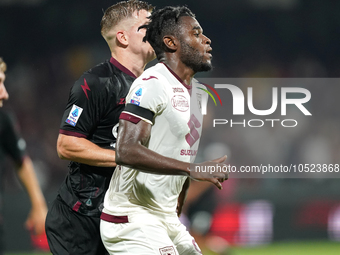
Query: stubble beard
[{"x": 192, "y": 58}]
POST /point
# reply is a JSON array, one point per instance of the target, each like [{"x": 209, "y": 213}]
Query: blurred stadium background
[{"x": 48, "y": 44}]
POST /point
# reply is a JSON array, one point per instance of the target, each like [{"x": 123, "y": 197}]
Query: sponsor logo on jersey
[
  {"x": 180, "y": 103},
  {"x": 85, "y": 88},
  {"x": 74, "y": 115},
  {"x": 151, "y": 77},
  {"x": 136, "y": 102},
  {"x": 89, "y": 202},
  {"x": 194, "y": 135},
  {"x": 139, "y": 92},
  {"x": 175, "y": 90},
  {"x": 188, "y": 152},
  {"x": 137, "y": 96},
  {"x": 121, "y": 101},
  {"x": 169, "y": 250}
]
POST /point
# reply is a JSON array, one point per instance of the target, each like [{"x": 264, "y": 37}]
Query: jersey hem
[{"x": 71, "y": 133}]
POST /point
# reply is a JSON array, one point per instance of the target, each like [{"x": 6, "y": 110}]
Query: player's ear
[
  {"x": 122, "y": 37},
  {"x": 170, "y": 42}
]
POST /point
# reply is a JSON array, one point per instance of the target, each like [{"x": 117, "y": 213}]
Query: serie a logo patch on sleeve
[
  {"x": 137, "y": 96},
  {"x": 74, "y": 115}
]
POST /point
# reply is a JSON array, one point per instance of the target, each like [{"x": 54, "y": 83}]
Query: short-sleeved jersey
[
  {"x": 95, "y": 102},
  {"x": 176, "y": 128},
  {"x": 11, "y": 144}
]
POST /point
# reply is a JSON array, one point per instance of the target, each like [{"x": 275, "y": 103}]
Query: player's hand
[
  {"x": 213, "y": 171},
  {"x": 36, "y": 220}
]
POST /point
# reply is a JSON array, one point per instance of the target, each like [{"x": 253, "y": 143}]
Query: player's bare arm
[
  {"x": 83, "y": 151},
  {"x": 36, "y": 218},
  {"x": 132, "y": 152}
]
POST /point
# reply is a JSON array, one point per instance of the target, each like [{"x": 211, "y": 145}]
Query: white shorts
[{"x": 147, "y": 235}]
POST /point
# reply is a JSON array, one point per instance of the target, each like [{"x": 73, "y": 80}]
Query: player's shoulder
[
  {"x": 151, "y": 84},
  {"x": 152, "y": 73},
  {"x": 7, "y": 118},
  {"x": 153, "y": 76},
  {"x": 101, "y": 70},
  {"x": 91, "y": 79}
]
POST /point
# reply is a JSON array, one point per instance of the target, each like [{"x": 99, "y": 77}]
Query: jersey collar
[
  {"x": 114, "y": 62},
  {"x": 177, "y": 77}
]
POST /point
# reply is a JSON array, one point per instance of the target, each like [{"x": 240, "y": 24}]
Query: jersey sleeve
[
  {"x": 147, "y": 98},
  {"x": 85, "y": 104},
  {"x": 14, "y": 145}
]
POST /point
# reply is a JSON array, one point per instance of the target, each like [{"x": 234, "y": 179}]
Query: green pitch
[
  {"x": 287, "y": 248},
  {"x": 283, "y": 248}
]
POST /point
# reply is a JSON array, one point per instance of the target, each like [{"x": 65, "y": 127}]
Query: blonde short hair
[{"x": 120, "y": 11}]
